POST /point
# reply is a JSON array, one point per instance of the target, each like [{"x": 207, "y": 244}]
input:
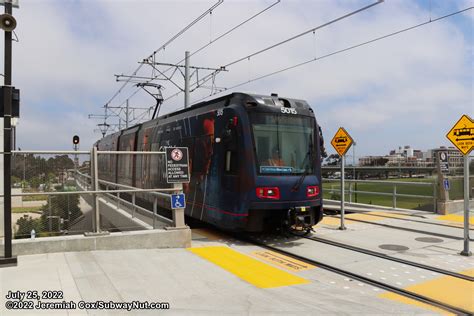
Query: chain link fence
[{"x": 55, "y": 193}]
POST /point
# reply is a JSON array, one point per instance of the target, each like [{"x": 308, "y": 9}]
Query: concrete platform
[
  {"x": 219, "y": 275},
  {"x": 147, "y": 239}
]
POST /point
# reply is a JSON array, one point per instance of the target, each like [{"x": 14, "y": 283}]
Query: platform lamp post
[{"x": 7, "y": 24}]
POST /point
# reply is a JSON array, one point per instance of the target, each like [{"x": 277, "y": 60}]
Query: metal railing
[
  {"x": 155, "y": 193},
  {"x": 40, "y": 175},
  {"x": 394, "y": 194}
]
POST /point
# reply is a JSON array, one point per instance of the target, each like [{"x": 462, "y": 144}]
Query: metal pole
[
  {"x": 394, "y": 197},
  {"x": 466, "y": 251},
  {"x": 126, "y": 113},
  {"x": 186, "y": 79},
  {"x": 50, "y": 225},
  {"x": 155, "y": 209},
  {"x": 342, "y": 193},
  {"x": 95, "y": 187},
  {"x": 7, "y": 102}
]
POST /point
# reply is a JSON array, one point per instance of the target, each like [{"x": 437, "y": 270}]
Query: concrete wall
[
  {"x": 453, "y": 206},
  {"x": 148, "y": 239}
]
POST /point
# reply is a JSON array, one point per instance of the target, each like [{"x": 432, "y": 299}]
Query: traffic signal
[{"x": 75, "y": 140}]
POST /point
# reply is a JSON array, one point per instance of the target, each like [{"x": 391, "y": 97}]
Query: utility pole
[
  {"x": 186, "y": 79},
  {"x": 8, "y": 24},
  {"x": 126, "y": 114}
]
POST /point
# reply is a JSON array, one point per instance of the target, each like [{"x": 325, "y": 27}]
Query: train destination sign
[
  {"x": 462, "y": 134},
  {"x": 177, "y": 165},
  {"x": 342, "y": 141}
]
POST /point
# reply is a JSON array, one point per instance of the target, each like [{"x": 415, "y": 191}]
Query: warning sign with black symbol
[
  {"x": 342, "y": 141},
  {"x": 177, "y": 165}
]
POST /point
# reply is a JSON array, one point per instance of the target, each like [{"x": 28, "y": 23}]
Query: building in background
[{"x": 408, "y": 157}]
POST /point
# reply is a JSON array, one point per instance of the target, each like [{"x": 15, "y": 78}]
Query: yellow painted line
[
  {"x": 248, "y": 269},
  {"x": 446, "y": 289},
  {"x": 208, "y": 234},
  {"x": 374, "y": 216},
  {"x": 364, "y": 217},
  {"x": 455, "y": 218},
  {"x": 283, "y": 261}
]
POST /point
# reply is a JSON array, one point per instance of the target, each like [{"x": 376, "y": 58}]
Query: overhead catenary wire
[
  {"x": 210, "y": 43},
  {"x": 335, "y": 53},
  {"x": 219, "y": 2},
  {"x": 312, "y": 30}
]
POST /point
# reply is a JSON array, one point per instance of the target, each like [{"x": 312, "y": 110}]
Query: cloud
[{"x": 68, "y": 53}]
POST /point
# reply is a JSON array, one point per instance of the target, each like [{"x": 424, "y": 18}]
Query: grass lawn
[
  {"x": 35, "y": 198},
  {"x": 31, "y": 209},
  {"x": 455, "y": 192}
]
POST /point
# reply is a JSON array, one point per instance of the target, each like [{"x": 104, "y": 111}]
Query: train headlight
[
  {"x": 312, "y": 191},
  {"x": 268, "y": 193}
]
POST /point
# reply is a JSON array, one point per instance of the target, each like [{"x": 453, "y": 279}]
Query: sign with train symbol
[
  {"x": 462, "y": 134},
  {"x": 342, "y": 141}
]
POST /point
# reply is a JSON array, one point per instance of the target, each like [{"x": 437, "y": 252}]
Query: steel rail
[
  {"x": 385, "y": 286},
  {"x": 403, "y": 219},
  {"x": 390, "y": 258},
  {"x": 407, "y": 229}
]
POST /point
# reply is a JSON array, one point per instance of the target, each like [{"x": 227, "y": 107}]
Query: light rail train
[{"x": 255, "y": 161}]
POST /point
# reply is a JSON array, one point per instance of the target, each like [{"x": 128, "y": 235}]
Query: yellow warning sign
[
  {"x": 462, "y": 134},
  {"x": 342, "y": 141},
  {"x": 283, "y": 261}
]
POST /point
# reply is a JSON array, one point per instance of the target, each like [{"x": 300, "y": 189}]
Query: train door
[{"x": 230, "y": 168}]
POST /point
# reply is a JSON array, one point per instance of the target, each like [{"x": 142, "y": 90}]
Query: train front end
[{"x": 287, "y": 146}]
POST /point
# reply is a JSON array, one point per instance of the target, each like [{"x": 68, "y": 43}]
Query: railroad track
[
  {"x": 405, "y": 229},
  {"x": 390, "y": 258},
  {"x": 387, "y": 287},
  {"x": 411, "y": 220}
]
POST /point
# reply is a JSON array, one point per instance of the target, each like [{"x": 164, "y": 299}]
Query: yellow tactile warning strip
[
  {"x": 455, "y": 218},
  {"x": 283, "y": 261},
  {"x": 331, "y": 221},
  {"x": 364, "y": 216},
  {"x": 373, "y": 216},
  {"x": 248, "y": 269},
  {"x": 446, "y": 289}
]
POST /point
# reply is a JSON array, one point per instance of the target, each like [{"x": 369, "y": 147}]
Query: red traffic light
[{"x": 75, "y": 140}]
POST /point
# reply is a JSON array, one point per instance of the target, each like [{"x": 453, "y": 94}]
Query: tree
[
  {"x": 60, "y": 208},
  {"x": 25, "y": 225},
  {"x": 333, "y": 160}
]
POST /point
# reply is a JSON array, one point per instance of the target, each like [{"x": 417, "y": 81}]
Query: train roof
[
  {"x": 272, "y": 100},
  {"x": 268, "y": 100}
]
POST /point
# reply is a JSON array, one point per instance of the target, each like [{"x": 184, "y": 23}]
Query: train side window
[
  {"x": 231, "y": 162},
  {"x": 230, "y": 148}
]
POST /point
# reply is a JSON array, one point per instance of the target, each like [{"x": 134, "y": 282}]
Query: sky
[{"x": 408, "y": 89}]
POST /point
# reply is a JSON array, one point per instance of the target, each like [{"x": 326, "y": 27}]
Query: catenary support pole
[
  {"x": 186, "y": 79},
  {"x": 466, "y": 251},
  {"x": 126, "y": 113},
  {"x": 342, "y": 227}
]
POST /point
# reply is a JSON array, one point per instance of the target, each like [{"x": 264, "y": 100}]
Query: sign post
[
  {"x": 462, "y": 136},
  {"x": 341, "y": 142}
]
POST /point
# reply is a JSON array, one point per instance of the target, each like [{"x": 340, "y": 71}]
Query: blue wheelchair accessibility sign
[
  {"x": 178, "y": 201},
  {"x": 446, "y": 184}
]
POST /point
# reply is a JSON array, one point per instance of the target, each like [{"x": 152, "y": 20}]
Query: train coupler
[{"x": 299, "y": 220}]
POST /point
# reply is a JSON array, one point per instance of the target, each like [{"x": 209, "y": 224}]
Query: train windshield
[{"x": 284, "y": 144}]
